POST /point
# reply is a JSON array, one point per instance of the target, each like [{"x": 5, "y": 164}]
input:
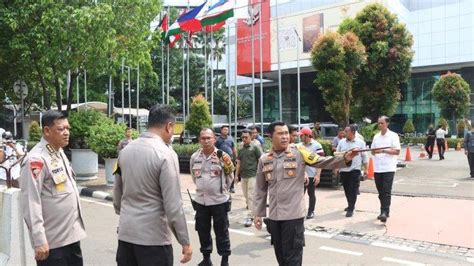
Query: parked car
[
  {"x": 328, "y": 130},
  {"x": 186, "y": 138},
  {"x": 240, "y": 128}
]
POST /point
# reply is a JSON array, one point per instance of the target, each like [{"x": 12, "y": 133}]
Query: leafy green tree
[
  {"x": 200, "y": 116},
  {"x": 81, "y": 123},
  {"x": 337, "y": 59},
  {"x": 389, "y": 55},
  {"x": 409, "y": 127},
  {"x": 43, "y": 40},
  {"x": 451, "y": 92}
]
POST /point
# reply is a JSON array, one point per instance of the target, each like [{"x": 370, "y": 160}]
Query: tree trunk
[
  {"x": 58, "y": 89},
  {"x": 46, "y": 95}
]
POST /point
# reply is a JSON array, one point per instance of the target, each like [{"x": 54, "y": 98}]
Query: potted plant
[
  {"x": 103, "y": 139},
  {"x": 84, "y": 161},
  {"x": 184, "y": 152}
]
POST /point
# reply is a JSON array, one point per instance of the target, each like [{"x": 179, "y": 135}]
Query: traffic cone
[
  {"x": 422, "y": 153},
  {"x": 408, "y": 154},
  {"x": 370, "y": 171},
  {"x": 446, "y": 145},
  {"x": 435, "y": 150}
]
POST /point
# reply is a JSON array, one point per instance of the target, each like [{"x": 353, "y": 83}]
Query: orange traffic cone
[
  {"x": 422, "y": 153},
  {"x": 370, "y": 171},
  {"x": 446, "y": 145},
  {"x": 408, "y": 154},
  {"x": 435, "y": 150}
]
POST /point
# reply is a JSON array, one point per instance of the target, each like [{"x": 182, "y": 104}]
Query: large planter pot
[
  {"x": 85, "y": 164},
  {"x": 109, "y": 170},
  {"x": 184, "y": 164}
]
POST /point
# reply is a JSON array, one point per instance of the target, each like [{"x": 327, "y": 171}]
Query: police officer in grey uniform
[
  {"x": 280, "y": 174},
  {"x": 147, "y": 196},
  {"x": 212, "y": 172},
  {"x": 49, "y": 196}
]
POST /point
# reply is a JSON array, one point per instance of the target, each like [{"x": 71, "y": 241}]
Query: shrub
[
  {"x": 461, "y": 127},
  {"x": 104, "y": 137},
  {"x": 199, "y": 117},
  {"x": 369, "y": 131},
  {"x": 408, "y": 127},
  {"x": 35, "y": 132},
  {"x": 81, "y": 123},
  {"x": 327, "y": 147},
  {"x": 185, "y": 150}
]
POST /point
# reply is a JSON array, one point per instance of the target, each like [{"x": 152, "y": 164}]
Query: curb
[{"x": 97, "y": 194}]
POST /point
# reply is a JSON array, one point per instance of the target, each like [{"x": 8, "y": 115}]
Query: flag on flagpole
[
  {"x": 174, "y": 39},
  {"x": 164, "y": 26},
  {"x": 211, "y": 28},
  {"x": 218, "y": 12},
  {"x": 190, "y": 21},
  {"x": 189, "y": 40}
]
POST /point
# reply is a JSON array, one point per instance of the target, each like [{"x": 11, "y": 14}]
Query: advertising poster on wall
[
  {"x": 313, "y": 26},
  {"x": 257, "y": 10}
]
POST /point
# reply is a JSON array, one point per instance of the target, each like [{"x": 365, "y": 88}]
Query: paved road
[
  {"x": 432, "y": 178},
  {"x": 249, "y": 245}
]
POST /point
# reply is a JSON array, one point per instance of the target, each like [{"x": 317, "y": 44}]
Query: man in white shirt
[
  {"x": 440, "y": 139},
  {"x": 385, "y": 164}
]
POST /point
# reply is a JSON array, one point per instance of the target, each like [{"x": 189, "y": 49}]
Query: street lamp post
[{"x": 298, "y": 76}]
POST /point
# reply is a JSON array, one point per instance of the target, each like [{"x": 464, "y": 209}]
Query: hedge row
[{"x": 452, "y": 143}]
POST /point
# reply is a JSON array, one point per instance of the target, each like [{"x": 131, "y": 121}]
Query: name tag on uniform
[{"x": 59, "y": 175}]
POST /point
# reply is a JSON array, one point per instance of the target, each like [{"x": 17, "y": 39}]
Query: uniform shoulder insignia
[
  {"x": 50, "y": 148},
  {"x": 36, "y": 166}
]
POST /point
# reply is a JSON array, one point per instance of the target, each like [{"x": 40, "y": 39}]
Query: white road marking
[
  {"x": 398, "y": 181},
  {"x": 344, "y": 251},
  {"x": 404, "y": 262},
  {"x": 387, "y": 245},
  {"x": 317, "y": 234},
  {"x": 245, "y": 233},
  {"x": 100, "y": 203}
]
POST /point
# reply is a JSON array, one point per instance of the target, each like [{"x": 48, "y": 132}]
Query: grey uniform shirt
[
  {"x": 49, "y": 198},
  {"x": 147, "y": 194},
  {"x": 211, "y": 181},
  {"x": 357, "y": 161},
  {"x": 281, "y": 176}
]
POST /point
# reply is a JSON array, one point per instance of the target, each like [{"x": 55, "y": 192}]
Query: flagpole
[
  {"x": 184, "y": 83},
  {"x": 123, "y": 92},
  {"x": 187, "y": 75},
  {"x": 163, "y": 68},
  {"x": 138, "y": 96},
  {"x": 228, "y": 76},
  {"x": 253, "y": 63},
  {"x": 235, "y": 84},
  {"x": 212, "y": 76},
  {"x": 168, "y": 71},
  {"x": 205, "y": 63},
  {"x": 261, "y": 69},
  {"x": 280, "y": 106}
]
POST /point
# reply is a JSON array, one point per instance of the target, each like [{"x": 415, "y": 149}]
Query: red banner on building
[{"x": 258, "y": 10}]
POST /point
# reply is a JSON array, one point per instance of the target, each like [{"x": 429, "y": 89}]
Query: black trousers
[
  {"x": 311, "y": 195},
  {"x": 470, "y": 158},
  {"x": 70, "y": 255},
  {"x": 220, "y": 220},
  {"x": 129, "y": 254},
  {"x": 384, "y": 182},
  {"x": 440, "y": 144},
  {"x": 351, "y": 182},
  {"x": 287, "y": 241},
  {"x": 429, "y": 147}
]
